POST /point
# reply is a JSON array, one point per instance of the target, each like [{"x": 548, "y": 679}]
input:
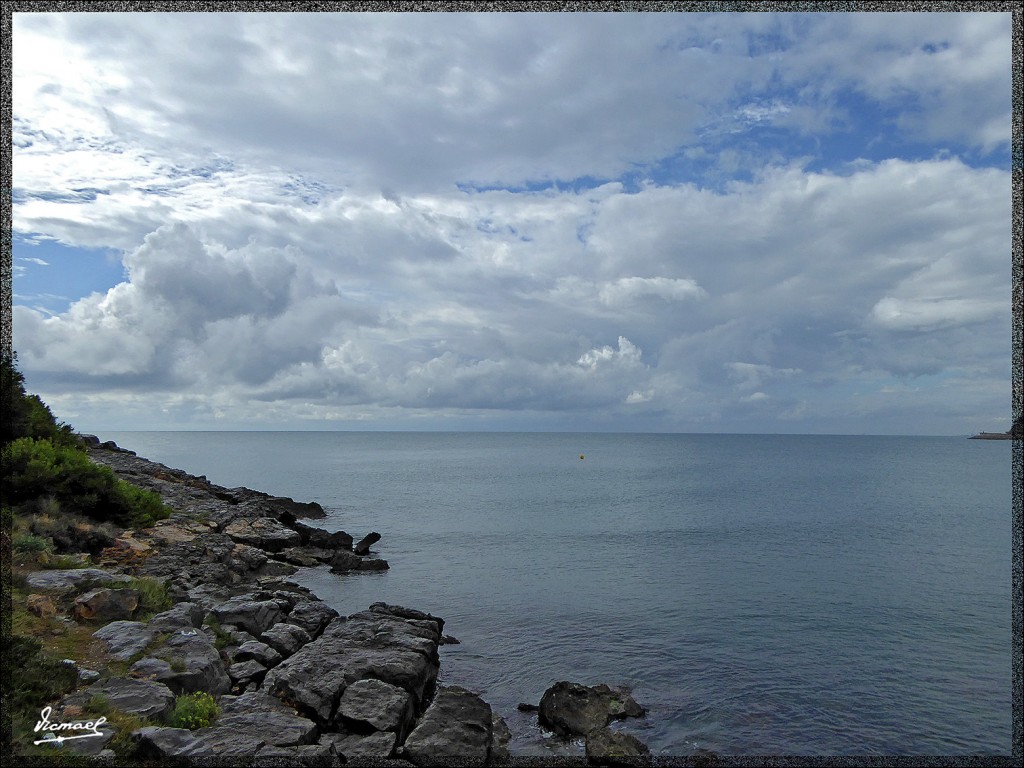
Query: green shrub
[
  {"x": 27, "y": 542},
  {"x": 221, "y": 638},
  {"x": 39, "y": 469},
  {"x": 153, "y": 596},
  {"x": 194, "y": 710},
  {"x": 143, "y": 507}
]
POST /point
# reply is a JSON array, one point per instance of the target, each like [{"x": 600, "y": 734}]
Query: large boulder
[
  {"x": 257, "y": 651},
  {"x": 194, "y": 662},
  {"x": 369, "y": 644},
  {"x": 180, "y": 616},
  {"x": 106, "y": 605},
  {"x": 607, "y": 747},
  {"x": 245, "y": 673},
  {"x": 363, "y": 547},
  {"x": 571, "y": 709},
  {"x": 142, "y": 698},
  {"x": 252, "y": 721},
  {"x": 286, "y": 639},
  {"x": 360, "y": 747},
  {"x": 266, "y": 533},
  {"x": 343, "y": 562},
  {"x": 377, "y": 705},
  {"x": 456, "y": 726},
  {"x": 321, "y": 539},
  {"x": 254, "y": 616},
  {"x": 312, "y": 616}
]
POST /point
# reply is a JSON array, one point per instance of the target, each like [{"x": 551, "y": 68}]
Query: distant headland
[{"x": 1016, "y": 432}]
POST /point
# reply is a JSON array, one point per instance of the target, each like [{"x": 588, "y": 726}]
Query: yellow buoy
[{"x": 581, "y": 457}]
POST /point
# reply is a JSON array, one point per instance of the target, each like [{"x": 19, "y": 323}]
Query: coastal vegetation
[{"x": 59, "y": 510}]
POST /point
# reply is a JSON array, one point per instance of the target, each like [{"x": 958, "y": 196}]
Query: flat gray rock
[
  {"x": 143, "y": 698},
  {"x": 456, "y": 726},
  {"x": 252, "y": 721},
  {"x": 258, "y": 651},
  {"x": 124, "y": 639},
  {"x": 154, "y": 741},
  {"x": 202, "y": 670},
  {"x": 366, "y": 645},
  {"x": 312, "y": 616},
  {"x": 71, "y": 579},
  {"x": 380, "y": 705},
  {"x": 374, "y": 746},
  {"x": 254, "y": 616},
  {"x": 182, "y": 615},
  {"x": 286, "y": 639}
]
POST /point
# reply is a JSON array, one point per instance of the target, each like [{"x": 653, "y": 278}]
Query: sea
[{"x": 759, "y": 594}]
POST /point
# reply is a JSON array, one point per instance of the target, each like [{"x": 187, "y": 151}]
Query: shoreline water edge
[{"x": 296, "y": 683}]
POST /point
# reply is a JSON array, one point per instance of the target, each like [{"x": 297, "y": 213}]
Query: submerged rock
[
  {"x": 571, "y": 709},
  {"x": 607, "y": 747},
  {"x": 363, "y": 547}
]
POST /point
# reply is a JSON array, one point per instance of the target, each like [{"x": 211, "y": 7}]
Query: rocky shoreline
[{"x": 296, "y": 683}]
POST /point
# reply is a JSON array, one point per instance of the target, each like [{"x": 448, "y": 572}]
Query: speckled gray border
[{"x": 1017, "y": 396}]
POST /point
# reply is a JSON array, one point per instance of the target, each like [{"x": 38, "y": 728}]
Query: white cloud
[{"x": 306, "y": 209}]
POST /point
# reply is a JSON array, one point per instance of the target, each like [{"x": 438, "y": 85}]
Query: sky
[{"x": 653, "y": 222}]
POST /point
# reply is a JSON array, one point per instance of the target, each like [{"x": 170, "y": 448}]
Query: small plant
[
  {"x": 194, "y": 710},
  {"x": 222, "y": 639},
  {"x": 63, "y": 562},
  {"x": 28, "y": 542},
  {"x": 98, "y": 705},
  {"x": 153, "y": 596},
  {"x": 178, "y": 665}
]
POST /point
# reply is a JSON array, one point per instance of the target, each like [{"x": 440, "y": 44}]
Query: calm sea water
[{"x": 801, "y": 595}]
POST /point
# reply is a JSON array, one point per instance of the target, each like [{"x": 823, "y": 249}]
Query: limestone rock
[
  {"x": 607, "y": 747},
  {"x": 500, "y": 738},
  {"x": 257, "y": 651},
  {"x": 182, "y": 615},
  {"x": 156, "y": 742},
  {"x": 253, "y": 720},
  {"x": 106, "y": 605},
  {"x": 266, "y": 533},
  {"x": 343, "y": 562},
  {"x": 456, "y": 726},
  {"x": 571, "y": 709},
  {"x": 143, "y": 698},
  {"x": 124, "y": 639},
  {"x": 244, "y": 673},
  {"x": 286, "y": 639},
  {"x": 321, "y": 539},
  {"x": 363, "y": 547},
  {"x": 366, "y": 645},
  {"x": 255, "y": 617},
  {"x": 71, "y": 580},
  {"x": 380, "y": 705},
  {"x": 356, "y": 747},
  {"x": 312, "y": 616},
  {"x": 199, "y": 662}
]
